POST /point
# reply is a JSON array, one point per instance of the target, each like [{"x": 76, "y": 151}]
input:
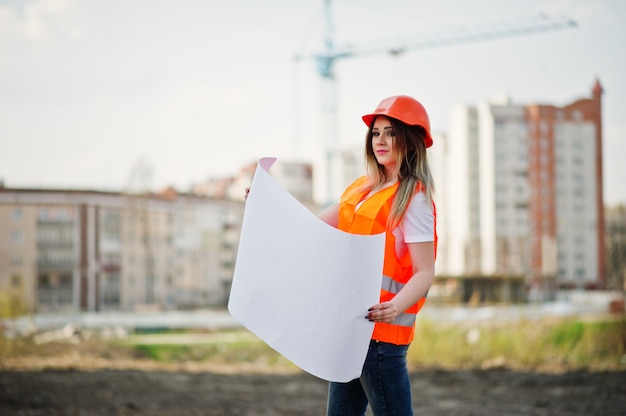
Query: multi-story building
[
  {"x": 567, "y": 204},
  {"x": 523, "y": 186},
  {"x": 295, "y": 177},
  {"x": 88, "y": 250},
  {"x": 616, "y": 247},
  {"x": 18, "y": 256}
]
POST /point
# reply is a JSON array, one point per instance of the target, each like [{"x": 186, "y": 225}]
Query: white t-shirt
[
  {"x": 417, "y": 226},
  {"x": 418, "y": 223}
]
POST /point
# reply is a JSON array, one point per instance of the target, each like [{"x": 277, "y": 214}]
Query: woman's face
[{"x": 383, "y": 145}]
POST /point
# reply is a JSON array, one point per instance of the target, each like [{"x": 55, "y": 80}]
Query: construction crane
[{"x": 327, "y": 59}]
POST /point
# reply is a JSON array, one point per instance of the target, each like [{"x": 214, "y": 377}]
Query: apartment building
[
  {"x": 78, "y": 250},
  {"x": 523, "y": 185},
  {"x": 567, "y": 204},
  {"x": 295, "y": 177},
  {"x": 616, "y": 247},
  {"x": 73, "y": 250}
]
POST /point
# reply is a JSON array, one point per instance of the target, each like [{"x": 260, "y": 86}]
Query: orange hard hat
[{"x": 406, "y": 109}]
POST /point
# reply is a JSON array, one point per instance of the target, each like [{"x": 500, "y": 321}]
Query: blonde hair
[{"x": 413, "y": 169}]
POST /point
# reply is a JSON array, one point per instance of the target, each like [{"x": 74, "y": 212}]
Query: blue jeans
[{"x": 384, "y": 384}]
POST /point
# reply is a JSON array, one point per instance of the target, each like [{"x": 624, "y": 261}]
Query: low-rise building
[{"x": 74, "y": 250}]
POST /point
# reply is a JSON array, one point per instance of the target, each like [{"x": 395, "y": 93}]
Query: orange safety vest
[{"x": 371, "y": 218}]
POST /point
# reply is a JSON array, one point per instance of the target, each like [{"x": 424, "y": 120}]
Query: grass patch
[
  {"x": 564, "y": 345},
  {"x": 221, "y": 347},
  {"x": 545, "y": 345}
]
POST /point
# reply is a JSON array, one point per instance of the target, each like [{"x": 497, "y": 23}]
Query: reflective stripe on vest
[
  {"x": 371, "y": 218},
  {"x": 406, "y": 318},
  {"x": 391, "y": 285}
]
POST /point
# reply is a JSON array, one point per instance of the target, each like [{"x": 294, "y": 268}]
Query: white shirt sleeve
[{"x": 418, "y": 223}]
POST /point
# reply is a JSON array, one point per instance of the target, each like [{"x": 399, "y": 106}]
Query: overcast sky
[{"x": 196, "y": 89}]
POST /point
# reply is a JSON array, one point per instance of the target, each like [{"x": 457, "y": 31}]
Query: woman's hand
[{"x": 383, "y": 312}]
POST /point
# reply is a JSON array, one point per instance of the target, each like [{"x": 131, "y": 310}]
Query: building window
[
  {"x": 111, "y": 290},
  {"x": 66, "y": 280},
  {"x": 16, "y": 259},
  {"x": 55, "y": 214},
  {"x": 16, "y": 281},
  {"x": 44, "y": 281},
  {"x": 16, "y": 214},
  {"x": 17, "y": 236}
]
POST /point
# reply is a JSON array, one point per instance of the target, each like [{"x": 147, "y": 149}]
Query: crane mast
[{"x": 330, "y": 175}]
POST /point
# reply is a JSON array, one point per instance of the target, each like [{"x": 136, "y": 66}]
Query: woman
[{"x": 396, "y": 198}]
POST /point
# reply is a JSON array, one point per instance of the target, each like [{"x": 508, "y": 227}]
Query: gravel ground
[{"x": 435, "y": 392}]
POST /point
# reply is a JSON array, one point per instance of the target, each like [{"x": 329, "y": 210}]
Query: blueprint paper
[{"x": 302, "y": 286}]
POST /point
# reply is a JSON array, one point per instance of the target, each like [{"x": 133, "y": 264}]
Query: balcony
[
  {"x": 51, "y": 299},
  {"x": 55, "y": 265}
]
